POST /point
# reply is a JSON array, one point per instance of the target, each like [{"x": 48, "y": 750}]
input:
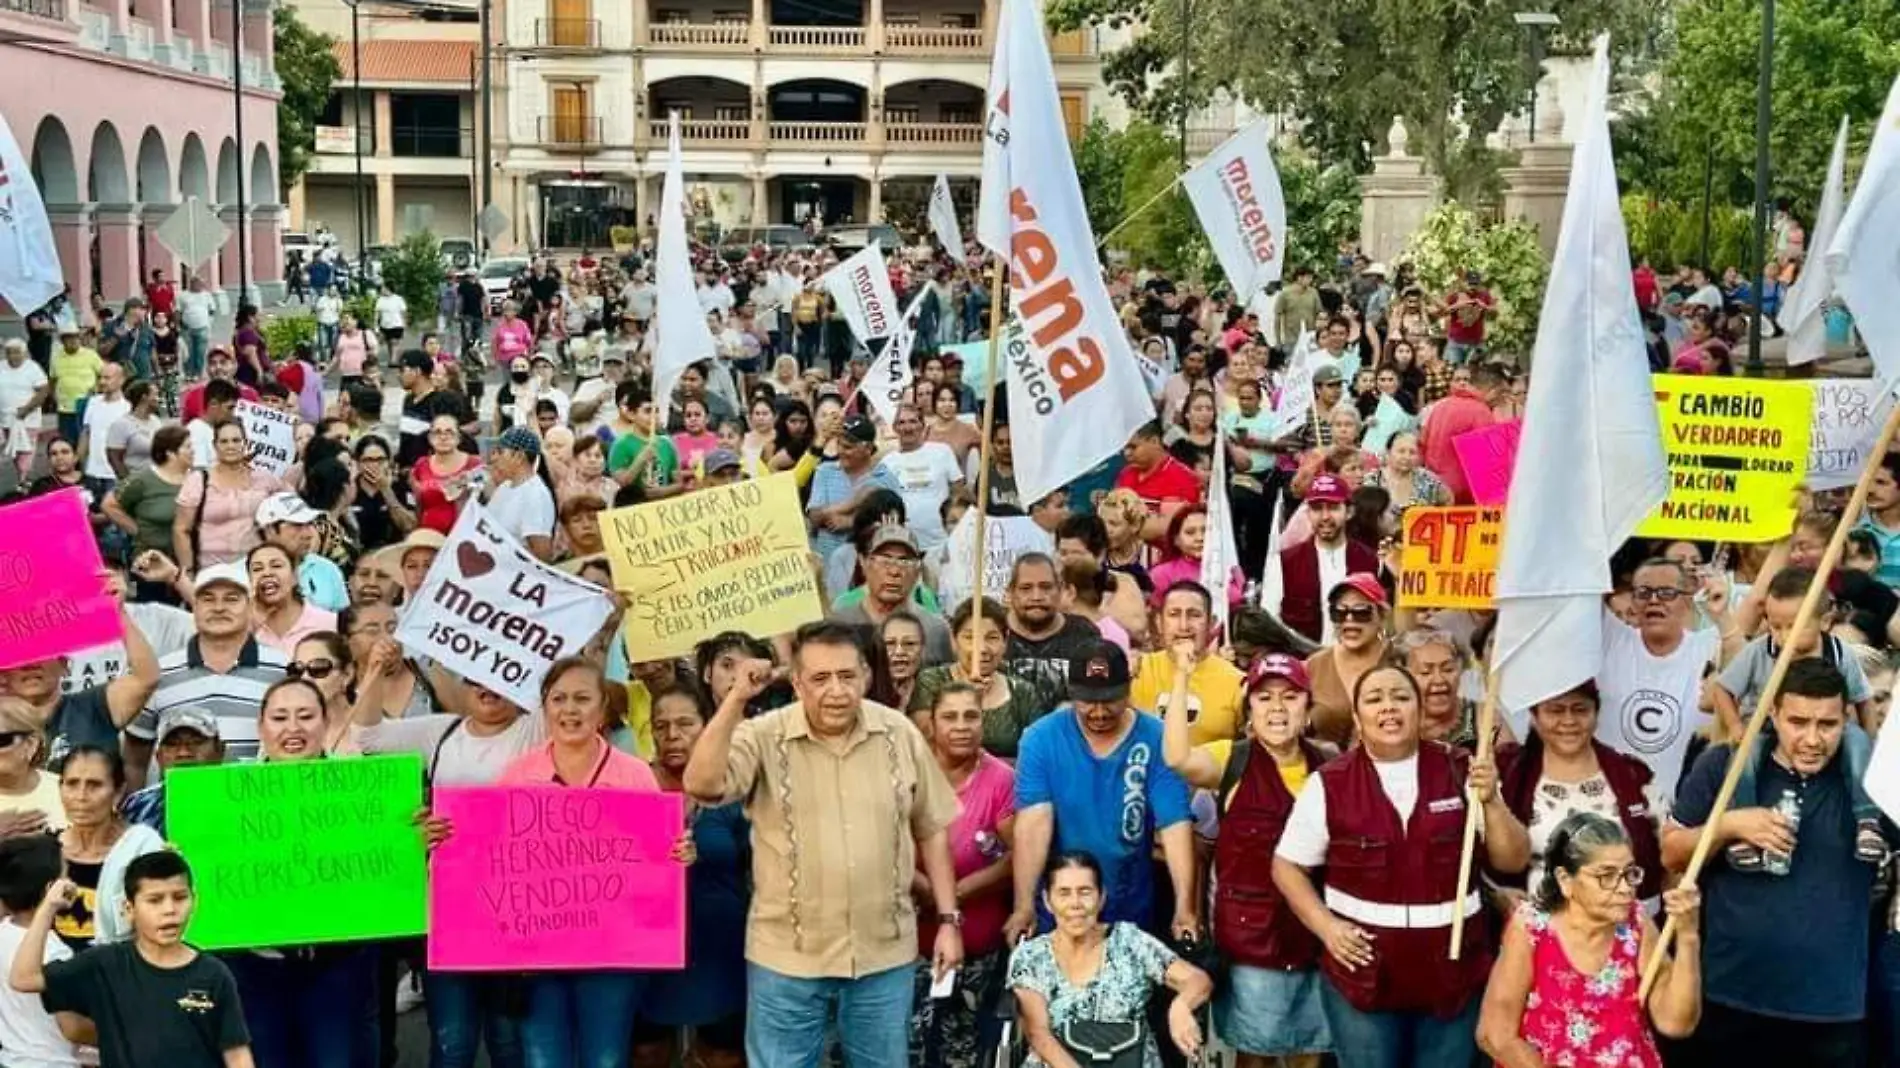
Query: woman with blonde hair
[
  {"x": 29, "y": 797},
  {"x": 1123, "y": 514}
]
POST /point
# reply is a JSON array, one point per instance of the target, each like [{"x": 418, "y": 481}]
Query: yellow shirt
[
  {"x": 1216, "y": 694},
  {"x": 1293, "y": 775},
  {"x": 74, "y": 374}
]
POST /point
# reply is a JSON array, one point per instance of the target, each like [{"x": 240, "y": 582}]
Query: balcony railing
[
  {"x": 569, "y": 131},
  {"x": 46, "y": 9},
  {"x": 704, "y": 131},
  {"x": 567, "y": 33},
  {"x": 829, "y": 133},
  {"x": 431, "y": 142},
  {"x": 817, "y": 38},
  {"x": 701, "y": 34},
  {"x": 935, "y": 136},
  {"x": 931, "y": 40}
]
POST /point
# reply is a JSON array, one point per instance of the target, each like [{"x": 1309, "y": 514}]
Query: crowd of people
[{"x": 1070, "y": 813}]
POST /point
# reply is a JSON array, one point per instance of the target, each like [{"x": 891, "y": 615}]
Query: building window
[
  {"x": 901, "y": 113},
  {"x": 572, "y": 115},
  {"x": 963, "y": 114},
  {"x": 426, "y": 125},
  {"x": 732, "y": 112}
]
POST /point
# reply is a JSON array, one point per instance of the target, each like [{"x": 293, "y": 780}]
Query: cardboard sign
[
  {"x": 272, "y": 435},
  {"x": 493, "y": 614},
  {"x": 1848, "y": 414},
  {"x": 540, "y": 878},
  {"x": 1008, "y": 538},
  {"x": 725, "y": 558},
  {"x": 1487, "y": 457},
  {"x": 300, "y": 852},
  {"x": 1450, "y": 557},
  {"x": 52, "y": 598},
  {"x": 1737, "y": 450}
]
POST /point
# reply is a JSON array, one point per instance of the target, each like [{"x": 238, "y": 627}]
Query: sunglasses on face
[
  {"x": 1353, "y": 613},
  {"x": 309, "y": 669},
  {"x": 1660, "y": 594}
]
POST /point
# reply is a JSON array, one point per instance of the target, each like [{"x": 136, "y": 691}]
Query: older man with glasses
[
  {"x": 891, "y": 570},
  {"x": 1651, "y": 679}
]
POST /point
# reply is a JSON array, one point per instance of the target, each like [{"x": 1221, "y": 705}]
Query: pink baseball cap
[{"x": 1363, "y": 583}]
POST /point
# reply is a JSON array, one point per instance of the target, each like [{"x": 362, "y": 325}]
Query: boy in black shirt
[{"x": 156, "y": 1002}]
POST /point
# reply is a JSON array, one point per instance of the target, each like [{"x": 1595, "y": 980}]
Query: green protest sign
[{"x": 296, "y": 853}]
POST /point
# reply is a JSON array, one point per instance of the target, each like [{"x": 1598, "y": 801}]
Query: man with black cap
[
  {"x": 1091, "y": 777},
  {"x": 838, "y": 484}
]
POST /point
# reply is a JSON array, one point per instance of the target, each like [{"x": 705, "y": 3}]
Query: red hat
[
  {"x": 1365, "y": 584},
  {"x": 1279, "y": 666},
  {"x": 1327, "y": 489}
]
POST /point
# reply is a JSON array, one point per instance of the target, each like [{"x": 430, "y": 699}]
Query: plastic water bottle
[
  {"x": 990, "y": 846},
  {"x": 1773, "y": 861}
]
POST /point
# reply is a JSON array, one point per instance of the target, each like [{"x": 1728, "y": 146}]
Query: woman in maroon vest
[
  {"x": 1386, "y": 820},
  {"x": 1560, "y": 769},
  {"x": 1270, "y": 1004}
]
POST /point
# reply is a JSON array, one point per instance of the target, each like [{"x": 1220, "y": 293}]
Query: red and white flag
[
  {"x": 1236, "y": 193},
  {"x": 862, "y": 287},
  {"x": 1076, "y": 392}
]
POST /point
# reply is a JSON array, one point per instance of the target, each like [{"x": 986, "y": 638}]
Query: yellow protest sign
[
  {"x": 726, "y": 558},
  {"x": 1449, "y": 557},
  {"x": 1737, "y": 450}
]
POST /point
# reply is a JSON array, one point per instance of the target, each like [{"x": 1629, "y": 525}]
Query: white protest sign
[
  {"x": 1296, "y": 390},
  {"x": 493, "y": 614},
  {"x": 1848, "y": 415},
  {"x": 272, "y": 434},
  {"x": 1008, "y": 537}
]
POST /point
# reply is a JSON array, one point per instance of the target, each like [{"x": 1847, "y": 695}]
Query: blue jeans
[
  {"x": 326, "y": 339},
  {"x": 788, "y": 1019},
  {"x": 197, "y": 348},
  {"x": 581, "y": 1019},
  {"x": 1400, "y": 1039},
  {"x": 310, "y": 1013},
  {"x": 463, "y": 1009}
]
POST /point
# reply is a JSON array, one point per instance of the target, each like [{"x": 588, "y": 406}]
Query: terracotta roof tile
[{"x": 408, "y": 61}]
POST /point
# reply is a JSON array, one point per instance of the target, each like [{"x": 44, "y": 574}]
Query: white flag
[
  {"x": 888, "y": 379},
  {"x": 1076, "y": 392},
  {"x": 1861, "y": 256},
  {"x": 1272, "y": 582},
  {"x": 680, "y": 335},
  {"x": 862, "y": 287},
  {"x": 29, "y": 264},
  {"x": 1220, "y": 552},
  {"x": 1591, "y": 463},
  {"x": 1802, "y": 311},
  {"x": 1296, "y": 389},
  {"x": 1236, "y": 193},
  {"x": 943, "y": 219}
]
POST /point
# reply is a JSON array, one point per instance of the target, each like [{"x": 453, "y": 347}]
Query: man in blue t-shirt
[{"x": 1090, "y": 777}]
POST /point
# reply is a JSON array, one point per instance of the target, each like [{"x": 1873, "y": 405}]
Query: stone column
[
  {"x": 267, "y": 249},
  {"x": 1394, "y": 198},
  {"x": 194, "y": 25},
  {"x": 761, "y": 211},
  {"x": 761, "y": 30},
  {"x": 385, "y": 137},
  {"x": 639, "y": 23},
  {"x": 228, "y": 256},
  {"x": 160, "y": 13},
  {"x": 386, "y": 209},
  {"x": 1535, "y": 189},
  {"x": 72, "y": 239},
  {"x": 874, "y": 34},
  {"x": 294, "y": 200},
  {"x": 875, "y": 214},
  {"x": 118, "y": 226}
]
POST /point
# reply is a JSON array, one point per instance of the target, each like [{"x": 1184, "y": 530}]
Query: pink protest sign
[
  {"x": 549, "y": 878},
  {"x": 52, "y": 600},
  {"x": 1487, "y": 456}
]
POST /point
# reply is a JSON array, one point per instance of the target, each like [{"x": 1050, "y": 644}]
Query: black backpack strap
[
  {"x": 435, "y": 755},
  {"x": 1236, "y": 767}
]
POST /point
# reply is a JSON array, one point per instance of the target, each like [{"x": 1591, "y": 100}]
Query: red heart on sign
[{"x": 473, "y": 562}]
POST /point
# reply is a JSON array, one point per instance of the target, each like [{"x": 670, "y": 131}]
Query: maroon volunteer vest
[
  {"x": 1252, "y": 923},
  {"x": 1520, "y": 768},
  {"x": 1400, "y": 882},
  {"x": 1301, "y": 604}
]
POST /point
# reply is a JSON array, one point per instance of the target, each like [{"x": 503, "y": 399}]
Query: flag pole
[
  {"x": 978, "y": 549},
  {"x": 1102, "y": 242},
  {"x": 1474, "y": 805},
  {"x": 1771, "y": 690}
]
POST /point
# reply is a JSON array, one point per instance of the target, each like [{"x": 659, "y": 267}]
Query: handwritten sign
[
  {"x": 1848, "y": 414},
  {"x": 1450, "y": 557},
  {"x": 272, "y": 435},
  {"x": 1737, "y": 450},
  {"x": 725, "y": 558},
  {"x": 546, "y": 878},
  {"x": 299, "y": 852},
  {"x": 492, "y": 613},
  {"x": 1008, "y": 538},
  {"x": 1487, "y": 457},
  {"x": 52, "y": 598}
]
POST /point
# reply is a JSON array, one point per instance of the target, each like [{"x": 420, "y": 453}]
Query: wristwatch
[{"x": 953, "y": 918}]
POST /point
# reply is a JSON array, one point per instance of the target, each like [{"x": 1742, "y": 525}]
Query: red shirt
[
  {"x": 192, "y": 404},
  {"x": 1171, "y": 481},
  {"x": 1466, "y": 325},
  {"x": 162, "y": 297},
  {"x": 1647, "y": 294},
  {"x": 1461, "y": 412}
]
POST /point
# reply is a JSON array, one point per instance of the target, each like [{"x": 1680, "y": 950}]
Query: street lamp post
[
  {"x": 356, "y": 132},
  {"x": 237, "y": 123},
  {"x": 486, "y": 120},
  {"x": 1764, "y": 110},
  {"x": 1536, "y": 24}
]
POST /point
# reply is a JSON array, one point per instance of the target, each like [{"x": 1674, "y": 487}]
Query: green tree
[
  {"x": 1452, "y": 240},
  {"x": 414, "y": 272},
  {"x": 1098, "y": 168},
  {"x": 307, "y": 68},
  {"x": 1322, "y": 209},
  {"x": 1165, "y": 235},
  {"x": 1453, "y": 69}
]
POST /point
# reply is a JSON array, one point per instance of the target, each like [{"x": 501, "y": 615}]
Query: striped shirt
[{"x": 234, "y": 697}]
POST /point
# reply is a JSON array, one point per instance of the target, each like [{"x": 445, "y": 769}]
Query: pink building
[{"x": 126, "y": 109}]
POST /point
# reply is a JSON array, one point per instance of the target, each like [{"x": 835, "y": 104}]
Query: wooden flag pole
[
  {"x": 1810, "y": 604},
  {"x": 978, "y": 550},
  {"x": 1102, "y": 242},
  {"x": 1474, "y": 806}
]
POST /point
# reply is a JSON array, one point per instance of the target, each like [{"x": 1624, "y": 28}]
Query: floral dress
[
  {"x": 1575, "y": 1020},
  {"x": 1133, "y": 964}
]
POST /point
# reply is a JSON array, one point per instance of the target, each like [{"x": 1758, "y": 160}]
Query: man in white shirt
[
  {"x": 221, "y": 400},
  {"x": 106, "y": 407},
  {"x": 329, "y": 317},
  {"x": 1705, "y": 294},
  {"x": 1651, "y": 680},
  {"x": 926, "y": 473},
  {"x": 196, "y": 306},
  {"x": 640, "y": 297},
  {"x": 392, "y": 315}
]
